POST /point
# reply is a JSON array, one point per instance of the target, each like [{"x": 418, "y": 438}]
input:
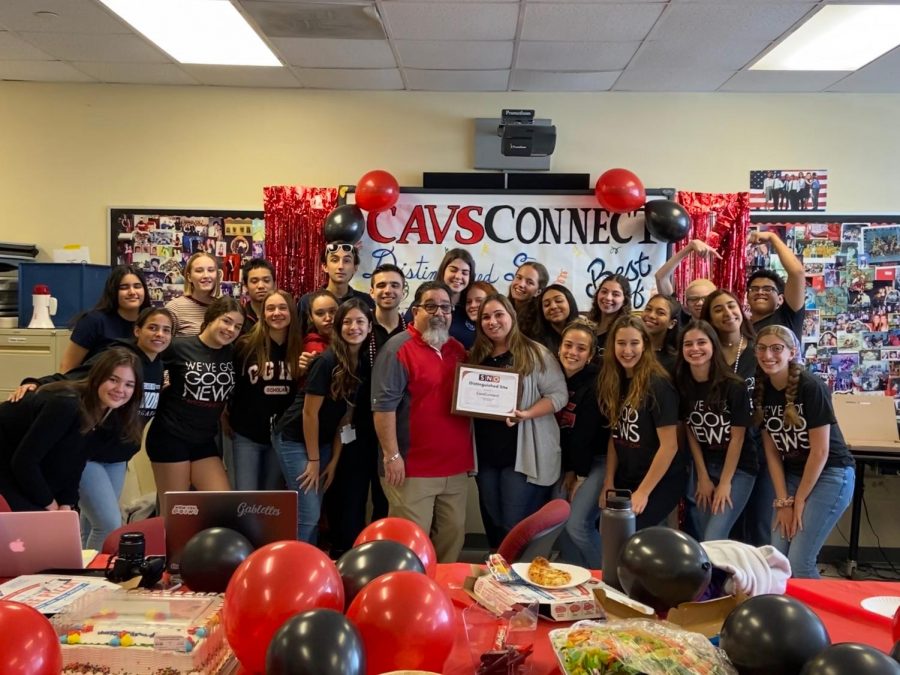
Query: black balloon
[
  {"x": 895, "y": 652},
  {"x": 345, "y": 223},
  {"x": 316, "y": 642},
  {"x": 667, "y": 220},
  {"x": 772, "y": 635},
  {"x": 851, "y": 658},
  {"x": 211, "y": 556},
  {"x": 662, "y": 567},
  {"x": 364, "y": 563}
]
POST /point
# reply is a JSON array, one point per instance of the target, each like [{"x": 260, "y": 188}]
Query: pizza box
[
  {"x": 565, "y": 604},
  {"x": 704, "y": 617}
]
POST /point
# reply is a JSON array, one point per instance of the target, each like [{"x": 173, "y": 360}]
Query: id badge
[{"x": 348, "y": 434}]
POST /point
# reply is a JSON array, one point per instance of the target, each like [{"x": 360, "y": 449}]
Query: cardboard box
[{"x": 568, "y": 604}]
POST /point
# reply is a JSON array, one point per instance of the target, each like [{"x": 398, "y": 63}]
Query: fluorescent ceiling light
[
  {"x": 838, "y": 37},
  {"x": 197, "y": 31}
]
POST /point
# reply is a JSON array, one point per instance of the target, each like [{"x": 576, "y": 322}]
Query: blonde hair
[
  {"x": 188, "y": 284},
  {"x": 791, "y": 414}
]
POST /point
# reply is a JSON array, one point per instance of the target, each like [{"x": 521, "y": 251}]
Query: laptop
[
  {"x": 868, "y": 422},
  {"x": 263, "y": 517},
  {"x": 32, "y": 541}
]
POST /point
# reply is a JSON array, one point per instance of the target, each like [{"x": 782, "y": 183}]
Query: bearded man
[{"x": 427, "y": 452}]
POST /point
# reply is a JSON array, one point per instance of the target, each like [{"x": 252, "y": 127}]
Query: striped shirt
[{"x": 188, "y": 313}]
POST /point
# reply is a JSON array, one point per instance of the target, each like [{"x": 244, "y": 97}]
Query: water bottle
[{"x": 616, "y": 526}]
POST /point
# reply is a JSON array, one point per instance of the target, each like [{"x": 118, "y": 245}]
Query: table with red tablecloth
[{"x": 836, "y": 601}]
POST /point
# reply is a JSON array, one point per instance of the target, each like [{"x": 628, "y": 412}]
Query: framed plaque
[{"x": 482, "y": 391}]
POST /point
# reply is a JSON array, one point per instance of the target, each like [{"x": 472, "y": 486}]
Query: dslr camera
[{"x": 130, "y": 561}]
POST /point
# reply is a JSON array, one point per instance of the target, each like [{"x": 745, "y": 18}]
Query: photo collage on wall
[
  {"x": 159, "y": 243},
  {"x": 851, "y": 332}
]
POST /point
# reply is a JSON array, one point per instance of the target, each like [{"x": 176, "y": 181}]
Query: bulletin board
[
  {"x": 851, "y": 332},
  {"x": 160, "y": 241}
]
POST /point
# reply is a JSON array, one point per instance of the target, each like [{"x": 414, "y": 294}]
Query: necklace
[{"x": 739, "y": 350}]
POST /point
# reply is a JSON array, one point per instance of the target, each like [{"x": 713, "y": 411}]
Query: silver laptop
[
  {"x": 263, "y": 517},
  {"x": 32, "y": 541},
  {"x": 867, "y": 422}
]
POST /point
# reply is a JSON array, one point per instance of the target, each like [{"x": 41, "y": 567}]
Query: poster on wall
[
  {"x": 788, "y": 189},
  {"x": 565, "y": 232},
  {"x": 160, "y": 241}
]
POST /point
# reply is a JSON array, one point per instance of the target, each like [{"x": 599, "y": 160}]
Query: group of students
[{"x": 672, "y": 404}]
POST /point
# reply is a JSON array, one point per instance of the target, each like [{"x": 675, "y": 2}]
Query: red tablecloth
[{"x": 836, "y": 601}]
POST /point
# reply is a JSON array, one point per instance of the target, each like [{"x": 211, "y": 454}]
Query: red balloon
[
  {"x": 269, "y": 587},
  {"x": 895, "y": 626},
  {"x": 405, "y": 532},
  {"x": 620, "y": 191},
  {"x": 28, "y": 643},
  {"x": 377, "y": 191},
  {"x": 406, "y": 622}
]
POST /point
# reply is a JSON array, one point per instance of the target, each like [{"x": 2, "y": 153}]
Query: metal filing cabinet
[{"x": 29, "y": 353}]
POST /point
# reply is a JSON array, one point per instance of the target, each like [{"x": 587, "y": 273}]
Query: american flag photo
[{"x": 788, "y": 189}]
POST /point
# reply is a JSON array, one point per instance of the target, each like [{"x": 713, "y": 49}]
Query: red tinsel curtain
[
  {"x": 722, "y": 221},
  {"x": 295, "y": 217}
]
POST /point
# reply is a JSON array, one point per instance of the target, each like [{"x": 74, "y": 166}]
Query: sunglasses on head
[{"x": 335, "y": 247}]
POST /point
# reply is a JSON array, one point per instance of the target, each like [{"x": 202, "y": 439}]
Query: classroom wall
[{"x": 68, "y": 152}]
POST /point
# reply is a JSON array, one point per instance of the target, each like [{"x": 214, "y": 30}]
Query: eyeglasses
[
  {"x": 768, "y": 290},
  {"x": 432, "y": 308},
  {"x": 695, "y": 299},
  {"x": 775, "y": 349},
  {"x": 335, "y": 247}
]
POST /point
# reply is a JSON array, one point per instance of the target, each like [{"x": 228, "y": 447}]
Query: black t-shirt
[
  {"x": 200, "y": 381},
  {"x": 95, "y": 330},
  {"x": 261, "y": 394},
  {"x": 634, "y": 433},
  {"x": 318, "y": 383},
  {"x": 583, "y": 430},
  {"x": 363, "y": 421},
  {"x": 495, "y": 441},
  {"x": 784, "y": 316},
  {"x": 667, "y": 359},
  {"x": 814, "y": 405},
  {"x": 712, "y": 426}
]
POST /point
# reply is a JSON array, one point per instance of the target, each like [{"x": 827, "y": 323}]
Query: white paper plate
[
  {"x": 886, "y": 605},
  {"x": 579, "y": 574}
]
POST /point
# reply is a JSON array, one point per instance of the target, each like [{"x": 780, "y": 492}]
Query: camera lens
[{"x": 131, "y": 547}]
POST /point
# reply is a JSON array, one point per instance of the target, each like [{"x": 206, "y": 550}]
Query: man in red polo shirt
[{"x": 427, "y": 452}]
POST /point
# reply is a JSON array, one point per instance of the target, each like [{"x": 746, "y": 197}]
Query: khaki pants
[{"x": 437, "y": 505}]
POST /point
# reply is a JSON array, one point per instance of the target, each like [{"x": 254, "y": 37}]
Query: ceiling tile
[
  {"x": 41, "y": 71},
  {"x": 780, "y": 80},
  {"x": 541, "y": 80},
  {"x": 86, "y": 47},
  {"x": 357, "y": 20},
  {"x": 241, "y": 76},
  {"x": 16, "y": 49},
  {"x": 580, "y": 56},
  {"x": 71, "y": 16},
  {"x": 882, "y": 75},
  {"x": 721, "y": 51},
  {"x": 672, "y": 79},
  {"x": 457, "y": 80},
  {"x": 454, "y": 55},
  {"x": 593, "y": 22},
  {"x": 335, "y": 53},
  {"x": 696, "y": 21},
  {"x": 337, "y": 78},
  {"x": 136, "y": 73},
  {"x": 451, "y": 20}
]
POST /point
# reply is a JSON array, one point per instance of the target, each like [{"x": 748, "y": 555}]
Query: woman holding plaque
[
  {"x": 638, "y": 397},
  {"x": 519, "y": 457}
]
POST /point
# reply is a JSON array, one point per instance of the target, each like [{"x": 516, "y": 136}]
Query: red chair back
[
  {"x": 536, "y": 535},
  {"x": 154, "y": 536},
  {"x": 4, "y": 505}
]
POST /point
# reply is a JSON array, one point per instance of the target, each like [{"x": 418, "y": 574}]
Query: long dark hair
[
  {"x": 706, "y": 313},
  {"x": 109, "y": 297},
  {"x": 449, "y": 257},
  {"x": 255, "y": 346},
  {"x": 307, "y": 325},
  {"x": 91, "y": 409},
  {"x": 670, "y": 342},
  {"x": 720, "y": 375},
  {"x": 529, "y": 311},
  {"x": 573, "y": 307},
  {"x": 344, "y": 378},
  {"x": 595, "y": 315}
]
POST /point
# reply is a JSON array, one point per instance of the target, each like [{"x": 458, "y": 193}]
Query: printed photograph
[{"x": 788, "y": 189}]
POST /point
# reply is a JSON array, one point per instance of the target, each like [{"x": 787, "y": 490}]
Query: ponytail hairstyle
[
  {"x": 595, "y": 314},
  {"x": 526, "y": 353},
  {"x": 255, "y": 346},
  {"x": 344, "y": 378},
  {"x": 220, "y": 306},
  {"x": 791, "y": 414},
  {"x": 188, "y": 284},
  {"x": 671, "y": 343},
  {"x": 585, "y": 326},
  {"x": 611, "y": 381},
  {"x": 149, "y": 312},
  {"x": 720, "y": 375},
  {"x": 306, "y": 322},
  {"x": 529, "y": 311},
  {"x": 91, "y": 410}
]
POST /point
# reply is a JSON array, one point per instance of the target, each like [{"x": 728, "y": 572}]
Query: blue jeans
[
  {"x": 580, "y": 541},
  {"x": 255, "y": 465},
  {"x": 98, "y": 500},
  {"x": 506, "y": 497},
  {"x": 717, "y": 526},
  {"x": 293, "y": 459},
  {"x": 826, "y": 503}
]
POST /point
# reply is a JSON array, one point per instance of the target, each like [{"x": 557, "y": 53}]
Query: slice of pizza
[{"x": 540, "y": 571}]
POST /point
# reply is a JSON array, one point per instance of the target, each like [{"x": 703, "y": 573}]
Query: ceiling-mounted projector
[{"x": 521, "y": 136}]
